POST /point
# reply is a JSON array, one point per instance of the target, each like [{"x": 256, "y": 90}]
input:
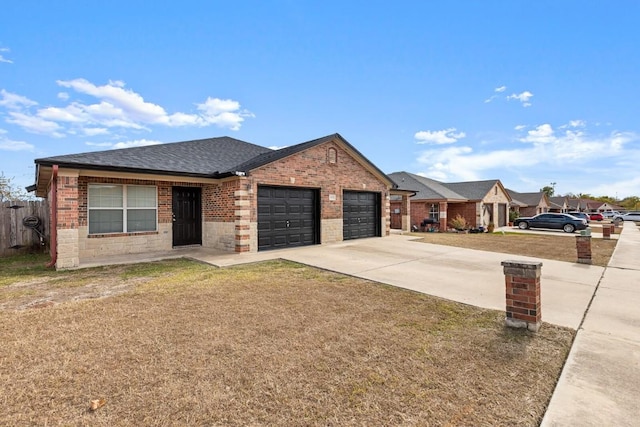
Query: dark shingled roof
[
  {"x": 528, "y": 199},
  {"x": 425, "y": 188},
  {"x": 430, "y": 189},
  {"x": 558, "y": 201},
  {"x": 205, "y": 157},
  {"x": 212, "y": 157},
  {"x": 472, "y": 190}
]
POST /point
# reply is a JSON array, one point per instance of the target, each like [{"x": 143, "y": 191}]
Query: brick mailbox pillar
[
  {"x": 606, "y": 231},
  {"x": 522, "y": 280},
  {"x": 583, "y": 246}
]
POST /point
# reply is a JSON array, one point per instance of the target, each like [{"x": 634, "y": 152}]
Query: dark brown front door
[{"x": 187, "y": 216}]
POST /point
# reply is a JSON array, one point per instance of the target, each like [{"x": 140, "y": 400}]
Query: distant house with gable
[
  {"x": 559, "y": 204},
  {"x": 479, "y": 202},
  {"x": 530, "y": 204}
]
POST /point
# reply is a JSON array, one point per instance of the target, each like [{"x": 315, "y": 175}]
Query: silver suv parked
[
  {"x": 629, "y": 216},
  {"x": 580, "y": 215}
]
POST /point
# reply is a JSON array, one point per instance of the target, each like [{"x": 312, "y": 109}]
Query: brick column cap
[{"x": 531, "y": 265}]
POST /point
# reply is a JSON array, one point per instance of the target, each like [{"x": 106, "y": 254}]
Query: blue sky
[{"x": 526, "y": 92}]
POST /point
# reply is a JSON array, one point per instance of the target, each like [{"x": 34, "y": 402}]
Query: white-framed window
[
  {"x": 434, "y": 211},
  {"x": 115, "y": 208}
]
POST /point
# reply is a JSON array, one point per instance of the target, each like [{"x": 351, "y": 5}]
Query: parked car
[
  {"x": 596, "y": 216},
  {"x": 610, "y": 214},
  {"x": 580, "y": 215},
  {"x": 629, "y": 216},
  {"x": 557, "y": 221}
]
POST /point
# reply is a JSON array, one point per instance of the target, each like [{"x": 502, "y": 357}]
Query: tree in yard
[
  {"x": 8, "y": 191},
  {"x": 548, "y": 189}
]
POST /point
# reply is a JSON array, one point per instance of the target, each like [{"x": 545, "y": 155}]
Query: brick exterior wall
[
  {"x": 419, "y": 211},
  {"x": 467, "y": 210},
  {"x": 68, "y": 202},
  {"x": 229, "y": 206},
  {"x": 311, "y": 168}
]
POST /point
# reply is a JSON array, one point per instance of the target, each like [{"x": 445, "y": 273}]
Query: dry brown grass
[
  {"x": 560, "y": 248},
  {"x": 275, "y": 343}
]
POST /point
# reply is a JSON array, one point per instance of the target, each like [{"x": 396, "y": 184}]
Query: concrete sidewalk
[{"x": 600, "y": 383}]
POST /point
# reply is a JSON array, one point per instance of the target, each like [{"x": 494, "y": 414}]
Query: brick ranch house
[
  {"x": 219, "y": 193},
  {"x": 479, "y": 202},
  {"x": 530, "y": 204}
]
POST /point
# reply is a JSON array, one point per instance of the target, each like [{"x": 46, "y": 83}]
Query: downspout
[{"x": 53, "y": 222}]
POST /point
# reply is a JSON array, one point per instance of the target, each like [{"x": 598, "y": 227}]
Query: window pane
[
  {"x": 141, "y": 220},
  {"x": 141, "y": 197},
  {"x": 105, "y": 221},
  {"x": 105, "y": 196},
  {"x": 434, "y": 211}
]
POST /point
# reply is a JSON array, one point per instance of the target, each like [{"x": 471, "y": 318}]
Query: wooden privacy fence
[{"x": 24, "y": 226}]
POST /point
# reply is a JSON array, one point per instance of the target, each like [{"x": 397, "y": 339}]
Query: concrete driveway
[{"x": 464, "y": 275}]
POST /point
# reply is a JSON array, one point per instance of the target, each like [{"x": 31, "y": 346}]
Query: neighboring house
[
  {"x": 479, "y": 202},
  {"x": 530, "y": 204},
  {"x": 575, "y": 205},
  {"x": 558, "y": 204},
  {"x": 219, "y": 193},
  {"x": 590, "y": 205}
]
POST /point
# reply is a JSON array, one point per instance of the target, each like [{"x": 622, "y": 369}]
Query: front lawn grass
[
  {"x": 559, "y": 248},
  {"x": 274, "y": 343}
]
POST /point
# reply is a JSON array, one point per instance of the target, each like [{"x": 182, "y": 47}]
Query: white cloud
[
  {"x": 2, "y": 58},
  {"x": 125, "y": 103},
  {"x": 35, "y": 124},
  {"x": 577, "y": 123},
  {"x": 223, "y": 112},
  {"x": 99, "y": 144},
  {"x": 136, "y": 143},
  {"x": 95, "y": 131},
  {"x": 124, "y": 144},
  {"x": 445, "y": 136},
  {"x": 523, "y": 97},
  {"x": 13, "y": 101},
  {"x": 520, "y": 127},
  {"x": 7, "y": 144},
  {"x": 496, "y": 90},
  {"x": 543, "y": 148},
  {"x": 542, "y": 134},
  {"x": 116, "y": 107}
]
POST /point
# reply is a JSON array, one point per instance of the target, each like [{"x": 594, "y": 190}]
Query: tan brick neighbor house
[
  {"x": 479, "y": 202},
  {"x": 219, "y": 193}
]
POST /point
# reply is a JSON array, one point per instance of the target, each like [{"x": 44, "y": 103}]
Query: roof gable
[
  {"x": 530, "y": 199},
  {"x": 559, "y": 202},
  {"x": 275, "y": 155},
  {"x": 474, "y": 190},
  {"x": 425, "y": 188}
]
